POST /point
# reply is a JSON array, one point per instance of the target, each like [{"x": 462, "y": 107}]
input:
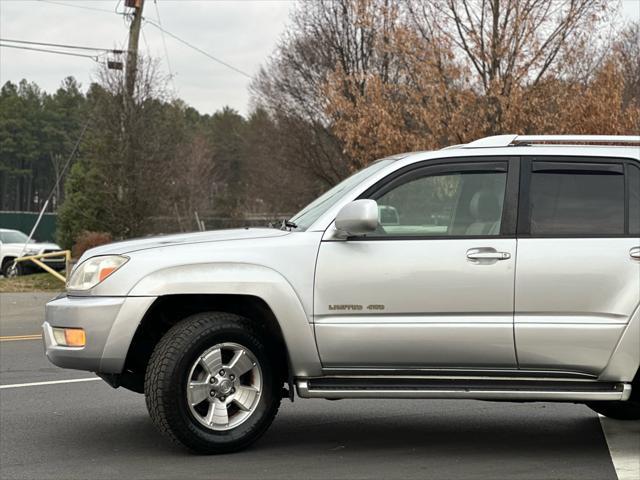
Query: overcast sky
[{"x": 243, "y": 33}]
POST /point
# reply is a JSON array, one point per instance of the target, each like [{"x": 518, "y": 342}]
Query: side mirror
[{"x": 358, "y": 217}]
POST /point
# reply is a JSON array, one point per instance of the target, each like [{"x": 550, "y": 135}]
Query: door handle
[
  {"x": 487, "y": 254},
  {"x": 635, "y": 253}
]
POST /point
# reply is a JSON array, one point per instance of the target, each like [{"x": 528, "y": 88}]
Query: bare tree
[
  {"x": 129, "y": 156},
  {"x": 508, "y": 43},
  {"x": 471, "y": 68},
  {"x": 192, "y": 180},
  {"x": 325, "y": 35},
  {"x": 627, "y": 50}
]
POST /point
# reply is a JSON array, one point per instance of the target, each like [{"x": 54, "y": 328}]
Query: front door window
[{"x": 452, "y": 204}]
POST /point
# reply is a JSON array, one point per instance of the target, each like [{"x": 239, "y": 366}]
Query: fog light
[{"x": 70, "y": 337}]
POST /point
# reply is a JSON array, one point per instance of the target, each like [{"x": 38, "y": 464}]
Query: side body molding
[{"x": 244, "y": 279}]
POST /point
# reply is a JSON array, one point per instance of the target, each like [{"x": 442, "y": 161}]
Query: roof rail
[
  {"x": 611, "y": 140},
  {"x": 515, "y": 140}
]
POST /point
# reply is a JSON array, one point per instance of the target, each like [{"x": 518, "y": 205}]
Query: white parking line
[
  {"x": 623, "y": 440},
  {"x": 55, "y": 382}
]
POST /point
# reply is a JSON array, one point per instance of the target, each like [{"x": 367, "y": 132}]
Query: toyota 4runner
[{"x": 507, "y": 269}]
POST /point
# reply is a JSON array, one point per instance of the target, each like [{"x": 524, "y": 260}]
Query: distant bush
[{"x": 87, "y": 240}]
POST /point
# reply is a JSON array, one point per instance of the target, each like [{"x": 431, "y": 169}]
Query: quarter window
[
  {"x": 449, "y": 204},
  {"x": 577, "y": 200}
]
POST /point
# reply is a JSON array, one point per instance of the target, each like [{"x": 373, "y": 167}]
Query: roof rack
[{"x": 519, "y": 140}]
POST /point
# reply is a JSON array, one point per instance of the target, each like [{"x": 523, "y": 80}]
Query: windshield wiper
[
  {"x": 283, "y": 225},
  {"x": 288, "y": 225}
]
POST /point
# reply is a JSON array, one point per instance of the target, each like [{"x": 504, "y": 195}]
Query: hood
[
  {"x": 44, "y": 246},
  {"x": 129, "y": 246},
  {"x": 33, "y": 245}
]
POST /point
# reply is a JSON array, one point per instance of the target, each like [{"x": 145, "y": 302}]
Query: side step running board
[{"x": 549, "y": 390}]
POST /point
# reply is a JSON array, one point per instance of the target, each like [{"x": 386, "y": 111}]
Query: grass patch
[{"x": 38, "y": 282}]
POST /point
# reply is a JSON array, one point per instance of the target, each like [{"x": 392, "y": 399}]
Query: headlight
[
  {"x": 29, "y": 252},
  {"x": 94, "y": 270}
]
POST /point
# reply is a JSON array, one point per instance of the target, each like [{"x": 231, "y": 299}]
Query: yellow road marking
[{"x": 14, "y": 338}]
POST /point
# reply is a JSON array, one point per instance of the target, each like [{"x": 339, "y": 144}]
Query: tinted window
[
  {"x": 453, "y": 204},
  {"x": 580, "y": 202},
  {"x": 634, "y": 200}
]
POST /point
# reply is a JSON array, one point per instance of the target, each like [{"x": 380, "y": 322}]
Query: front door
[{"x": 433, "y": 286}]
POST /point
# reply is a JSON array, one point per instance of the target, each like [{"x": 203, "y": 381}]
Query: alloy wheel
[{"x": 224, "y": 386}]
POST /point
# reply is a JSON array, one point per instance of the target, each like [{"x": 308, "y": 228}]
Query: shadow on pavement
[{"x": 385, "y": 439}]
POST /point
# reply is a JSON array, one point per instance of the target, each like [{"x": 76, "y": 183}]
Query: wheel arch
[
  {"x": 167, "y": 310},
  {"x": 6, "y": 259},
  {"x": 258, "y": 293}
]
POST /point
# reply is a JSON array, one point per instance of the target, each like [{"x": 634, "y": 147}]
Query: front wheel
[
  {"x": 212, "y": 383},
  {"x": 11, "y": 269}
]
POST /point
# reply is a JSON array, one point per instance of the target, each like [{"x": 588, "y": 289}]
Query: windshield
[
  {"x": 13, "y": 237},
  {"x": 324, "y": 202}
]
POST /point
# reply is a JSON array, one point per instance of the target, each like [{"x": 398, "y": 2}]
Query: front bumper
[{"x": 109, "y": 324}]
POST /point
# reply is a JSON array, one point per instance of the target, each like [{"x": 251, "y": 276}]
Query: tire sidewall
[
  {"x": 6, "y": 268},
  {"x": 197, "y": 436}
]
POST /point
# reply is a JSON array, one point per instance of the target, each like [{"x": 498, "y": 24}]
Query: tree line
[
  {"x": 350, "y": 81},
  {"x": 355, "y": 80},
  {"x": 148, "y": 168},
  {"x": 37, "y": 132}
]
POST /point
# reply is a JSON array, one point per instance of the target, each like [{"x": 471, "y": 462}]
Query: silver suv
[{"x": 507, "y": 269}]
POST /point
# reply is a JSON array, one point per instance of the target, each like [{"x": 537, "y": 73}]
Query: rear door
[{"x": 578, "y": 271}]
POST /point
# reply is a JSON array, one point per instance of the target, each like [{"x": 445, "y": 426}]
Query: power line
[
  {"x": 84, "y": 7},
  {"x": 190, "y": 45},
  {"x": 61, "y": 45},
  {"x": 60, "y": 176},
  {"x": 164, "y": 44},
  {"x": 164, "y": 31},
  {"x": 146, "y": 44},
  {"x": 92, "y": 57}
]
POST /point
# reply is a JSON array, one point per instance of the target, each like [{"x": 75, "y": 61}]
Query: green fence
[{"x": 24, "y": 221}]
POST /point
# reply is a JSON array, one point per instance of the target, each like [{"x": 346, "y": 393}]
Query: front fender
[{"x": 244, "y": 279}]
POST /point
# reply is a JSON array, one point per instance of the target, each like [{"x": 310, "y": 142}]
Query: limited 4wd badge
[{"x": 354, "y": 308}]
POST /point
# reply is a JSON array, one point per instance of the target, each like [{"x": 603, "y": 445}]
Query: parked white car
[{"x": 11, "y": 247}]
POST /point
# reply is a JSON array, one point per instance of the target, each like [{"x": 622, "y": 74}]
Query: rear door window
[{"x": 576, "y": 198}]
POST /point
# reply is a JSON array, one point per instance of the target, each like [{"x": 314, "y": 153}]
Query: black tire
[
  {"x": 629, "y": 410},
  {"x": 167, "y": 376},
  {"x": 7, "y": 266}
]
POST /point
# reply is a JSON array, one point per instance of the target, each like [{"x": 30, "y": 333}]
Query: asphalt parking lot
[{"x": 86, "y": 429}]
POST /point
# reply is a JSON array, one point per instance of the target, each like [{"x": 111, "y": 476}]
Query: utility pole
[
  {"x": 132, "y": 53},
  {"x": 127, "y": 154}
]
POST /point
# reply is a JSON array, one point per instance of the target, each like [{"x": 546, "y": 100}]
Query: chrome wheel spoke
[
  {"x": 212, "y": 361},
  {"x": 240, "y": 363},
  {"x": 217, "y": 414},
  {"x": 198, "y": 392},
  {"x": 245, "y": 397},
  {"x": 223, "y": 394}
]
